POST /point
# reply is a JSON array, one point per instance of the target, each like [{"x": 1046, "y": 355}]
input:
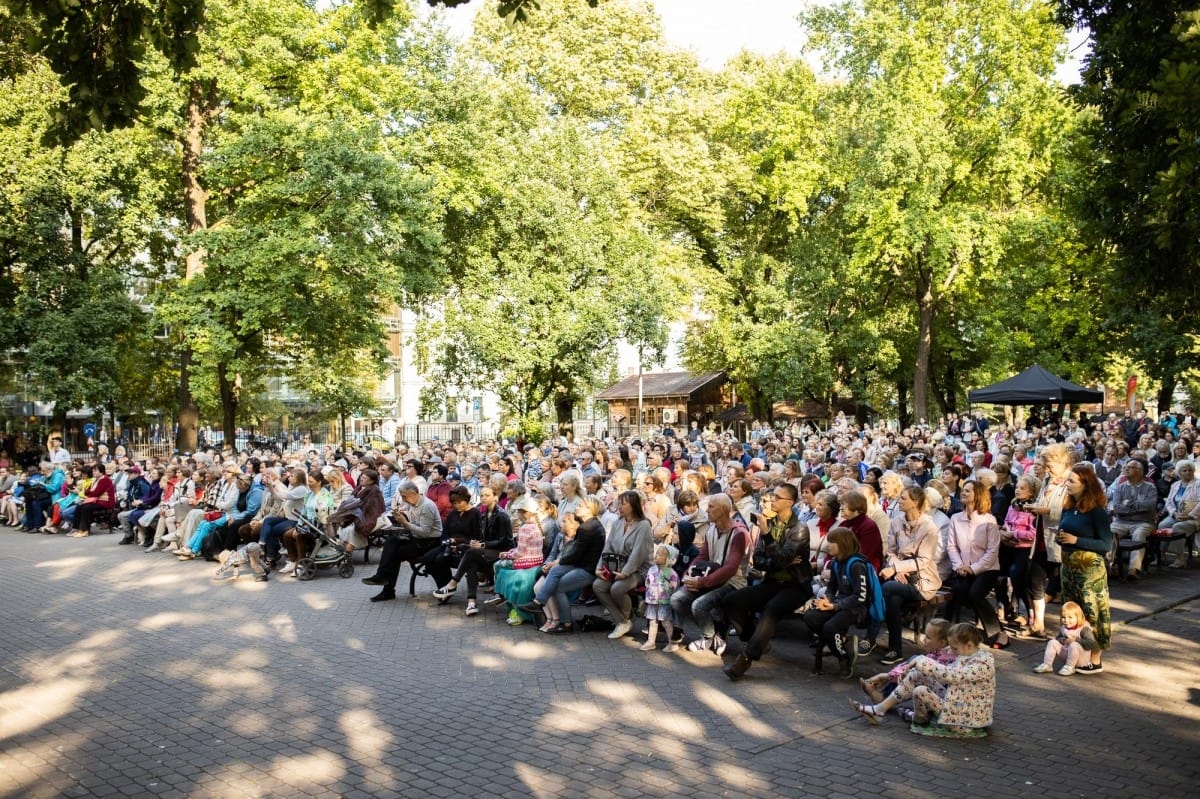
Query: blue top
[{"x": 1092, "y": 528}]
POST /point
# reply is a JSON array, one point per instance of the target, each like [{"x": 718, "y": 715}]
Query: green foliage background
[{"x": 929, "y": 212}]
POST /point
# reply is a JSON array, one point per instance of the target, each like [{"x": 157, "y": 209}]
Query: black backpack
[{"x": 595, "y": 624}]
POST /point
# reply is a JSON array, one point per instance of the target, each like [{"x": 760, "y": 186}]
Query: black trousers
[
  {"x": 399, "y": 550},
  {"x": 86, "y": 515},
  {"x": 474, "y": 561},
  {"x": 439, "y": 565},
  {"x": 776, "y": 600},
  {"x": 833, "y": 626},
  {"x": 973, "y": 590}
]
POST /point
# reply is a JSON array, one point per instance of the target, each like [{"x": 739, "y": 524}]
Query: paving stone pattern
[{"x": 129, "y": 675}]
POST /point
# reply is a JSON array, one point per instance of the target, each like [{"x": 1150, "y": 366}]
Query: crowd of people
[{"x": 843, "y": 531}]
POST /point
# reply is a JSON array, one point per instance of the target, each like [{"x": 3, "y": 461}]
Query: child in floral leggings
[{"x": 952, "y": 699}]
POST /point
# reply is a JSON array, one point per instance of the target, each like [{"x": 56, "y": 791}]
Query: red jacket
[
  {"x": 870, "y": 542},
  {"x": 102, "y": 492}
]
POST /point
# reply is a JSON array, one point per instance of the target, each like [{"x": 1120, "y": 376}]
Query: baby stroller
[{"x": 327, "y": 553}]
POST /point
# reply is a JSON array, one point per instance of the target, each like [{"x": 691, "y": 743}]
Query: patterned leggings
[
  {"x": 925, "y": 692},
  {"x": 1085, "y": 580}
]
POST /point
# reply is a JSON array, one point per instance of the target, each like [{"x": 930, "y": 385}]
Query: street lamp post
[{"x": 640, "y": 412}]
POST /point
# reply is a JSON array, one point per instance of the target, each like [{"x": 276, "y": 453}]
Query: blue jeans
[
  {"x": 203, "y": 531},
  {"x": 560, "y": 581},
  {"x": 35, "y": 512},
  {"x": 700, "y": 607},
  {"x": 271, "y": 534}
]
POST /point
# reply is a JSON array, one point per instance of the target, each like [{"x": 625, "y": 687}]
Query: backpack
[
  {"x": 595, "y": 624},
  {"x": 875, "y": 600}
]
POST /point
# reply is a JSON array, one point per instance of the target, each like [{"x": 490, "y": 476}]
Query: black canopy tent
[{"x": 1034, "y": 386}]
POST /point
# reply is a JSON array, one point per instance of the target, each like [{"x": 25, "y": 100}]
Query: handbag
[
  {"x": 609, "y": 563},
  {"x": 212, "y": 515}
]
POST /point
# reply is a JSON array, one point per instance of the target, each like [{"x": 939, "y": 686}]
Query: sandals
[
  {"x": 868, "y": 711},
  {"x": 78, "y": 534},
  {"x": 871, "y": 691}
]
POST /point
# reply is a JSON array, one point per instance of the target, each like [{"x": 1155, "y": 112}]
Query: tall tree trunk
[
  {"x": 189, "y": 415},
  {"x": 1167, "y": 392},
  {"x": 229, "y": 404},
  {"x": 195, "y": 201},
  {"x": 924, "y": 344},
  {"x": 564, "y": 414},
  {"x": 902, "y": 413}
]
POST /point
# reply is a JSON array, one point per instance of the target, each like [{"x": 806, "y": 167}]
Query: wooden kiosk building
[{"x": 668, "y": 399}]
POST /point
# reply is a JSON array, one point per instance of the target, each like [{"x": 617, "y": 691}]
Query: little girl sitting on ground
[
  {"x": 935, "y": 645},
  {"x": 948, "y": 700},
  {"x": 1073, "y": 641}
]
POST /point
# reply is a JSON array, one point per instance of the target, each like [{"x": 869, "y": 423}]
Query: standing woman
[
  {"x": 1086, "y": 537},
  {"x": 910, "y": 571},
  {"x": 974, "y": 549},
  {"x": 1053, "y": 466}
]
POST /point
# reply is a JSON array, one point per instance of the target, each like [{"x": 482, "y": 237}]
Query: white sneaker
[
  {"x": 1067, "y": 671},
  {"x": 700, "y": 645},
  {"x": 171, "y": 537},
  {"x": 718, "y": 645},
  {"x": 1043, "y": 668},
  {"x": 471, "y": 611},
  {"x": 621, "y": 630}
]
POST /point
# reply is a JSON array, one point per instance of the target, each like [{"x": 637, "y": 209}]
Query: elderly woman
[
  {"x": 571, "y": 495},
  {"x": 891, "y": 484},
  {"x": 1052, "y": 466},
  {"x": 827, "y": 507},
  {"x": 624, "y": 561},
  {"x": 8, "y": 506},
  {"x": 1183, "y": 509},
  {"x": 519, "y": 568}
]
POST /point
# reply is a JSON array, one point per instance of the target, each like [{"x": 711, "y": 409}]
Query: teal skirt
[{"x": 516, "y": 586}]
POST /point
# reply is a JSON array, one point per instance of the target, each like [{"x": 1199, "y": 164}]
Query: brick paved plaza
[{"x": 127, "y": 674}]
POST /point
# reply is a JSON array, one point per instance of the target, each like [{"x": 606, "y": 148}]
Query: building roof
[{"x": 662, "y": 384}]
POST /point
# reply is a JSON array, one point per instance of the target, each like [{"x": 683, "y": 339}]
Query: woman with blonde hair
[{"x": 1053, "y": 464}]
